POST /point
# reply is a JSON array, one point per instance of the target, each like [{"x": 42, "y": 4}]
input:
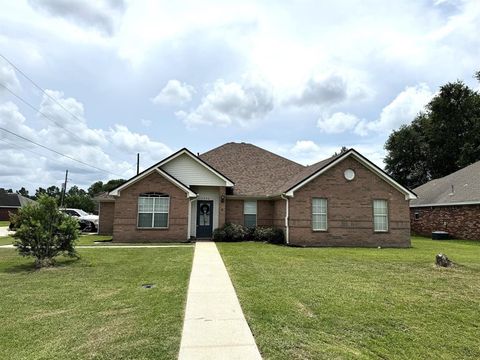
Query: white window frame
[
  {"x": 380, "y": 215},
  {"x": 245, "y": 202},
  {"x": 321, "y": 214},
  {"x": 153, "y": 212}
]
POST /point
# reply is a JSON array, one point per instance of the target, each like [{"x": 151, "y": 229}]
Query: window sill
[
  {"x": 152, "y": 228},
  {"x": 319, "y": 230}
]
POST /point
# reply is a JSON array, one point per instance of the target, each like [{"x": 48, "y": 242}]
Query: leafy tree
[
  {"x": 112, "y": 184},
  {"x": 79, "y": 199},
  {"x": 52, "y": 191},
  {"x": 43, "y": 232},
  {"x": 96, "y": 188},
  {"x": 442, "y": 140},
  {"x": 23, "y": 192},
  {"x": 6, "y": 191}
]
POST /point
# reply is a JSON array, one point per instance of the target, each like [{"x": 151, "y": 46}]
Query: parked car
[{"x": 88, "y": 222}]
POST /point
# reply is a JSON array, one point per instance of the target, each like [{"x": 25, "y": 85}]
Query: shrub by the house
[
  {"x": 234, "y": 233},
  {"x": 43, "y": 232}
]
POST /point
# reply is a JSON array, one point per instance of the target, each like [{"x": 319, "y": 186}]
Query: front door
[{"x": 204, "y": 218}]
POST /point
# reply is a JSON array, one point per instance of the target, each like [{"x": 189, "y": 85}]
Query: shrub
[
  {"x": 229, "y": 233},
  {"x": 269, "y": 234},
  {"x": 43, "y": 232}
]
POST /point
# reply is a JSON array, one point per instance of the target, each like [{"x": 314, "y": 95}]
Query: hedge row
[{"x": 234, "y": 233}]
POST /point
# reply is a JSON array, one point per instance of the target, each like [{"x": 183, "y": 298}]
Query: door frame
[{"x": 210, "y": 232}]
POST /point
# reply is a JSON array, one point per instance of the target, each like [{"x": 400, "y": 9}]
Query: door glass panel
[{"x": 204, "y": 214}]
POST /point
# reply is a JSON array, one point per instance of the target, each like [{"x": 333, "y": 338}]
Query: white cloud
[
  {"x": 337, "y": 123},
  {"x": 100, "y": 14},
  {"x": 229, "y": 103},
  {"x": 402, "y": 110},
  {"x": 174, "y": 93},
  {"x": 145, "y": 122},
  {"x": 75, "y": 139},
  {"x": 8, "y": 78}
]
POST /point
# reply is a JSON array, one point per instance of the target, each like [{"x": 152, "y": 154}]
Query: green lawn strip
[
  {"x": 94, "y": 307},
  {"x": 6, "y": 240},
  {"x": 4, "y": 223},
  {"x": 342, "y": 303}
]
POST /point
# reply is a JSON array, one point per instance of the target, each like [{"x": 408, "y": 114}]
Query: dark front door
[{"x": 204, "y": 218}]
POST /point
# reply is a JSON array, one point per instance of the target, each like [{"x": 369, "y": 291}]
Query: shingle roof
[
  {"x": 104, "y": 196},
  {"x": 462, "y": 186},
  {"x": 13, "y": 200},
  {"x": 255, "y": 171}
]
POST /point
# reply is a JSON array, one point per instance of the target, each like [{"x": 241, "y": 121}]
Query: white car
[{"x": 88, "y": 222}]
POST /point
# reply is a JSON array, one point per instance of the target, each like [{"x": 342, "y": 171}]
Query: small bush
[
  {"x": 269, "y": 234},
  {"x": 229, "y": 233},
  {"x": 234, "y": 233},
  {"x": 43, "y": 232}
]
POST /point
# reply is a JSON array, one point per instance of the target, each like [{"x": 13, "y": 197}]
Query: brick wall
[
  {"x": 350, "y": 210},
  {"x": 234, "y": 211},
  {"x": 5, "y": 213},
  {"x": 105, "y": 220},
  {"x": 279, "y": 213},
  {"x": 265, "y": 212},
  {"x": 462, "y": 222},
  {"x": 125, "y": 219}
]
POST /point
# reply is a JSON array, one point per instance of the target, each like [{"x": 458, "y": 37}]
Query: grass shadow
[{"x": 31, "y": 268}]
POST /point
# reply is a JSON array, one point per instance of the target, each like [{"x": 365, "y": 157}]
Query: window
[
  {"x": 417, "y": 215},
  {"x": 153, "y": 210},
  {"x": 380, "y": 215},
  {"x": 250, "y": 213},
  {"x": 319, "y": 214}
]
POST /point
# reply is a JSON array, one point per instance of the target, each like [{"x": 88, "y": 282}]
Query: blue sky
[{"x": 301, "y": 79}]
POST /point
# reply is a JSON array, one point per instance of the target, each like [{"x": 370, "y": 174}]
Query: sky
[{"x": 300, "y": 78}]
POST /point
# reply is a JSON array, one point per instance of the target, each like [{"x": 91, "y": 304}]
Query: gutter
[{"x": 287, "y": 240}]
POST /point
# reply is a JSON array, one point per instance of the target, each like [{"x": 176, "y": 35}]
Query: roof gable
[
  {"x": 191, "y": 170},
  {"x": 325, "y": 165}
]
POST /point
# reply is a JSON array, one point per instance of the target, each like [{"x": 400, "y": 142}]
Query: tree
[
  {"x": 6, "y": 191},
  {"x": 43, "y": 232},
  {"x": 96, "y": 188},
  {"x": 52, "y": 191},
  {"x": 79, "y": 199},
  {"x": 441, "y": 140},
  {"x": 23, "y": 192}
]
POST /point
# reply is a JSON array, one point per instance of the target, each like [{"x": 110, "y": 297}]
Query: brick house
[
  {"x": 342, "y": 201},
  {"x": 451, "y": 204},
  {"x": 10, "y": 203}
]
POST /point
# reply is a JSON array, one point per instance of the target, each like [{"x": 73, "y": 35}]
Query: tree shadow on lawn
[{"x": 31, "y": 268}]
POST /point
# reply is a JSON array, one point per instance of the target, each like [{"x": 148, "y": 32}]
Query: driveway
[{"x": 4, "y": 231}]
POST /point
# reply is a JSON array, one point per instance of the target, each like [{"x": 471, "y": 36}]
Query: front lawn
[
  {"x": 4, "y": 223},
  {"x": 345, "y": 303},
  {"x": 94, "y": 307}
]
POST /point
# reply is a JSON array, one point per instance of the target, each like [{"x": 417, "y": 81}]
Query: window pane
[
  {"x": 319, "y": 206},
  {"x": 249, "y": 207},
  {"x": 250, "y": 220},
  {"x": 380, "y": 215},
  {"x": 144, "y": 220},
  {"x": 145, "y": 204},
  {"x": 160, "y": 220},
  {"x": 161, "y": 204},
  {"x": 319, "y": 222}
]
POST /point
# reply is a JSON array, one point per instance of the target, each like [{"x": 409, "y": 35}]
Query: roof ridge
[{"x": 255, "y": 146}]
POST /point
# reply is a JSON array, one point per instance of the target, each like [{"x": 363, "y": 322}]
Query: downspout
[{"x": 286, "y": 219}]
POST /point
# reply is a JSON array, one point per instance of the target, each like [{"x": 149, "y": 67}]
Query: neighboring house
[
  {"x": 451, "y": 204},
  {"x": 10, "y": 203},
  {"x": 342, "y": 201}
]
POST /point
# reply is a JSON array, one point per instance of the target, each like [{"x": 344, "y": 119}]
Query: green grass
[
  {"x": 6, "y": 240},
  {"x": 95, "y": 307},
  {"x": 4, "y": 223},
  {"x": 353, "y": 303}
]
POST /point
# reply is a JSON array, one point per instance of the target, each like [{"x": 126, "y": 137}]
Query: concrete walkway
[
  {"x": 214, "y": 325},
  {"x": 4, "y": 231}
]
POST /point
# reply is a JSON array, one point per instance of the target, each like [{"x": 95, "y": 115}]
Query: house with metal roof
[
  {"x": 344, "y": 200},
  {"x": 450, "y": 204}
]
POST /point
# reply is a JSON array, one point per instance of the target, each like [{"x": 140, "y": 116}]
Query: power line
[
  {"x": 58, "y": 153},
  {"x": 39, "y": 87},
  {"x": 46, "y": 94}
]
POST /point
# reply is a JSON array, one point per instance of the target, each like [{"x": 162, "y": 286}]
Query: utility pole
[
  {"x": 64, "y": 188},
  {"x": 138, "y": 163}
]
